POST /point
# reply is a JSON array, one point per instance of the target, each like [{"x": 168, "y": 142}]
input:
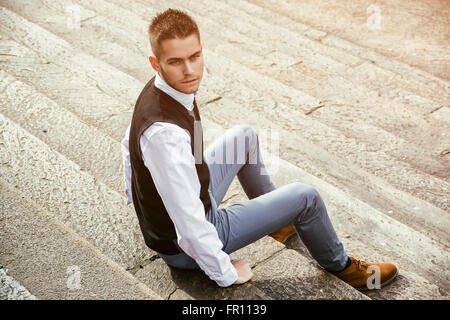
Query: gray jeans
[{"x": 268, "y": 209}]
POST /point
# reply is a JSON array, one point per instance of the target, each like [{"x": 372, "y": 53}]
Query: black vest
[{"x": 157, "y": 228}]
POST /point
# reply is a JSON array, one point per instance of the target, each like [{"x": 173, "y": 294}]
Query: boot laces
[{"x": 360, "y": 263}]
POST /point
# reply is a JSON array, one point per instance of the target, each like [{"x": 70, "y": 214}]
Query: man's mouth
[{"x": 190, "y": 81}]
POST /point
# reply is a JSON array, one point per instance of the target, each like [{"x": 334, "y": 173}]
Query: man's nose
[{"x": 188, "y": 68}]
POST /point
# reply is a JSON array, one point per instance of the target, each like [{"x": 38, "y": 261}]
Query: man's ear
[{"x": 154, "y": 63}]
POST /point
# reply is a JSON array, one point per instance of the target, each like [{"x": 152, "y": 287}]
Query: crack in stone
[
  {"x": 88, "y": 18},
  {"x": 213, "y": 100},
  {"x": 436, "y": 109},
  {"x": 273, "y": 256},
  {"x": 314, "y": 109},
  {"x": 170, "y": 295},
  {"x": 142, "y": 264}
]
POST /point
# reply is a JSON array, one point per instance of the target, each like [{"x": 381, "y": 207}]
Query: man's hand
[{"x": 243, "y": 270}]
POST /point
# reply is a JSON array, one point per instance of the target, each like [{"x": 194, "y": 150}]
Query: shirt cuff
[{"x": 228, "y": 278}]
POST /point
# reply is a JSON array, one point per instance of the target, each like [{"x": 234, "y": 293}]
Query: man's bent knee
[
  {"x": 237, "y": 148},
  {"x": 309, "y": 194}
]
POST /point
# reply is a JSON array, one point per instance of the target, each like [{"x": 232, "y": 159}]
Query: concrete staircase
[
  {"x": 45, "y": 254},
  {"x": 67, "y": 96}
]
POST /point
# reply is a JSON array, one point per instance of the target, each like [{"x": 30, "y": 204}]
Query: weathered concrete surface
[
  {"x": 74, "y": 197},
  {"x": 39, "y": 251},
  {"x": 407, "y": 285},
  {"x": 65, "y": 87},
  {"x": 11, "y": 289},
  {"x": 62, "y": 131},
  {"x": 196, "y": 285},
  {"x": 287, "y": 275},
  {"x": 414, "y": 32},
  {"x": 193, "y": 283},
  {"x": 290, "y": 276},
  {"x": 391, "y": 74}
]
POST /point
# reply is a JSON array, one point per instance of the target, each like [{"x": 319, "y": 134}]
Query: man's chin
[{"x": 188, "y": 89}]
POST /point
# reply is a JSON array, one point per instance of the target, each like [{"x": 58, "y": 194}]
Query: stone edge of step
[{"x": 77, "y": 242}]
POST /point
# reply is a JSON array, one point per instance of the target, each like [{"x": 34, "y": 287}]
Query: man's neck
[{"x": 185, "y": 99}]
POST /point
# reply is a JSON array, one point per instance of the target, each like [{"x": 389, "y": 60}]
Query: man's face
[{"x": 181, "y": 63}]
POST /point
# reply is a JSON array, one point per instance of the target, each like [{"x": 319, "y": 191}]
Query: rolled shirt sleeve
[{"x": 166, "y": 151}]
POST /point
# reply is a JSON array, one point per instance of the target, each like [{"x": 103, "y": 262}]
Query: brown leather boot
[
  {"x": 283, "y": 234},
  {"x": 357, "y": 274}
]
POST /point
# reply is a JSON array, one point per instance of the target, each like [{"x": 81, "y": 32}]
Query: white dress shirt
[{"x": 166, "y": 151}]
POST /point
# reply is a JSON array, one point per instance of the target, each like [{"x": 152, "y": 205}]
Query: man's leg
[
  {"x": 268, "y": 209},
  {"x": 233, "y": 153},
  {"x": 237, "y": 152},
  {"x": 295, "y": 204},
  {"x": 271, "y": 209}
]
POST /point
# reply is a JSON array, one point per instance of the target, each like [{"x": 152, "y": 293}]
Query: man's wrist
[{"x": 229, "y": 278}]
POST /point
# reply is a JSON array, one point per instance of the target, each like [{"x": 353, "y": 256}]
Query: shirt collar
[{"x": 185, "y": 99}]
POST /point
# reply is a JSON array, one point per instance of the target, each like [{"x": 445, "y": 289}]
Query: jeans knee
[
  {"x": 245, "y": 130},
  {"x": 305, "y": 189},
  {"x": 247, "y": 140},
  {"x": 313, "y": 193},
  {"x": 309, "y": 193}
]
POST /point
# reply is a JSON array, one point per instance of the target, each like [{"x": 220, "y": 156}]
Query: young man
[{"x": 176, "y": 190}]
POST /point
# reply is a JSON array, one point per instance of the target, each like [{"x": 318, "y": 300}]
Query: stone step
[
  {"x": 11, "y": 289},
  {"x": 289, "y": 59},
  {"x": 388, "y": 71},
  {"x": 288, "y": 275},
  {"x": 64, "y": 82},
  {"x": 402, "y": 36},
  {"x": 434, "y": 196},
  {"x": 407, "y": 286},
  {"x": 52, "y": 261},
  {"x": 74, "y": 197},
  {"x": 300, "y": 53},
  {"x": 275, "y": 278},
  {"x": 91, "y": 149}
]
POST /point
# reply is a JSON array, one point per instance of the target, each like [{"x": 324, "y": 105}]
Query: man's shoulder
[{"x": 146, "y": 94}]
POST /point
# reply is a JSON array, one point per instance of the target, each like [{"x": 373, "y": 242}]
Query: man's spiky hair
[{"x": 170, "y": 24}]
